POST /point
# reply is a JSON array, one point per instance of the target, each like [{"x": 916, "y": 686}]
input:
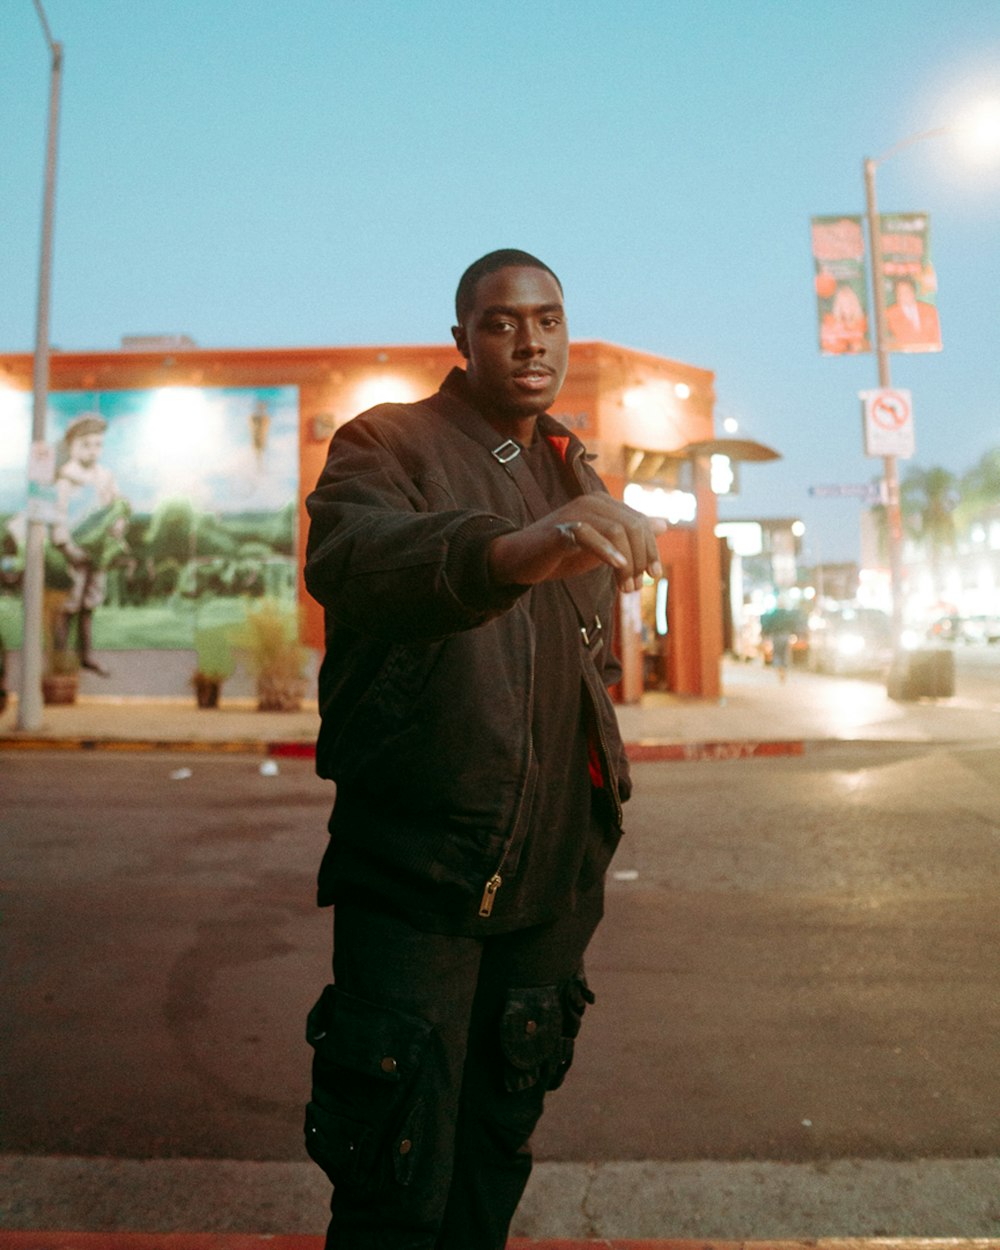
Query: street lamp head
[{"x": 980, "y": 131}]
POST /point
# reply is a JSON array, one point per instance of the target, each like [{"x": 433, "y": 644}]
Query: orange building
[{"x": 649, "y": 421}]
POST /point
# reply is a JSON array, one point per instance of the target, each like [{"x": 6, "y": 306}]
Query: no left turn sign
[{"x": 888, "y": 423}]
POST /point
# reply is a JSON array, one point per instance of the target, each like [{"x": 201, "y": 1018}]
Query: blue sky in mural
[
  {"x": 320, "y": 171},
  {"x": 179, "y": 443}
]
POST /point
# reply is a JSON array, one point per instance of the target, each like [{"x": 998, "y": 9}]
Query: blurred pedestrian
[
  {"x": 779, "y": 627},
  {"x": 467, "y": 557}
]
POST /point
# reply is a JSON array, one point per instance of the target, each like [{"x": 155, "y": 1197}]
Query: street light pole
[
  {"x": 890, "y": 471},
  {"x": 29, "y": 704}
]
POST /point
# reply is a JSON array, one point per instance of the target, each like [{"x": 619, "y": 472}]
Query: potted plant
[
  {"x": 270, "y": 640},
  {"x": 214, "y": 663},
  {"x": 3, "y": 676},
  {"x": 61, "y": 678}
]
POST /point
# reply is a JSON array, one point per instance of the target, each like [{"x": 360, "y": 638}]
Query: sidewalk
[{"x": 756, "y": 715}]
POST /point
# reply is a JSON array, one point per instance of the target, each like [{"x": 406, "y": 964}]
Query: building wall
[{"x": 614, "y": 398}]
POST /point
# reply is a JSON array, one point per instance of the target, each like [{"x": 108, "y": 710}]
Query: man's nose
[{"x": 529, "y": 341}]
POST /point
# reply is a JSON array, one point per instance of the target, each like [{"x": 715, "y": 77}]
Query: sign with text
[
  {"x": 888, "y": 422},
  {"x": 867, "y": 492},
  {"x": 910, "y": 284},
  {"x": 838, "y": 246}
]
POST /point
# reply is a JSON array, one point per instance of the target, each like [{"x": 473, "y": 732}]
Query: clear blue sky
[{"x": 311, "y": 172}]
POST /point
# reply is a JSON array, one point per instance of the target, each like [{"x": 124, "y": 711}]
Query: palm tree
[
  {"x": 980, "y": 489},
  {"x": 928, "y": 498}
]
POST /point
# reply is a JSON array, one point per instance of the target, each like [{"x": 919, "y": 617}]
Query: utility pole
[{"x": 29, "y": 704}]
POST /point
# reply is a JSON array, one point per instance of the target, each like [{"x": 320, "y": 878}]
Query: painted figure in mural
[
  {"x": 88, "y": 532},
  {"x": 467, "y": 557}
]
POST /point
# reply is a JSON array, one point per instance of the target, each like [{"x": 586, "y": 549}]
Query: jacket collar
[{"x": 458, "y": 402}]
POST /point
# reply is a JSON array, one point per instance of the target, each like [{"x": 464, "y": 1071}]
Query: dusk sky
[{"x": 314, "y": 172}]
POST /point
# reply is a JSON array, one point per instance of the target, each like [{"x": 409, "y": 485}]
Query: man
[{"x": 467, "y": 557}]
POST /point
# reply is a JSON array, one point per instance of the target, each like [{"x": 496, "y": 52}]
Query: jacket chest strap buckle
[{"x": 506, "y": 451}]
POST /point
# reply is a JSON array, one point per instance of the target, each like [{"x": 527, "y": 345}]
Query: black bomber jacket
[{"x": 425, "y": 690}]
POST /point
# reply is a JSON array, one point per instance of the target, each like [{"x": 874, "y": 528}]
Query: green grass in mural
[
  {"x": 164, "y": 625},
  {"x": 11, "y": 621},
  {"x": 119, "y": 629}
]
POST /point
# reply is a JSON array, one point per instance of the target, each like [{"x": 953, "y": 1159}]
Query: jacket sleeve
[{"x": 386, "y": 556}]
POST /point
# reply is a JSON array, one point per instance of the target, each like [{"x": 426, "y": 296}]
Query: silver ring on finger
[{"x": 568, "y": 530}]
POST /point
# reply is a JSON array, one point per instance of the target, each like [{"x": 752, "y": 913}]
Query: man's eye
[{"x": 550, "y": 323}]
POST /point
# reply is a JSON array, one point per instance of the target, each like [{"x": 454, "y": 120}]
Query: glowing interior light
[
  {"x": 682, "y": 390},
  {"x": 15, "y": 427},
  {"x": 722, "y": 475},
  {"x": 182, "y": 427},
  {"x": 676, "y": 506},
  {"x": 383, "y": 388}
]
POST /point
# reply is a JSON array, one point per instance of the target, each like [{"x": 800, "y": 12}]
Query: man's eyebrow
[{"x": 494, "y": 310}]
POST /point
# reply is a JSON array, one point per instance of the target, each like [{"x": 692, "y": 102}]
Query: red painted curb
[{"x": 641, "y": 752}]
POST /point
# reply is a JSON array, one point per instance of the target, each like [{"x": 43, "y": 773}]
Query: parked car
[
  {"x": 965, "y": 629},
  {"x": 850, "y": 640}
]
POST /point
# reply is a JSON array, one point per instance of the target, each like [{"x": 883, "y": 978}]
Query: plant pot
[
  {"x": 60, "y": 688},
  {"x": 207, "y": 691},
  {"x": 279, "y": 694}
]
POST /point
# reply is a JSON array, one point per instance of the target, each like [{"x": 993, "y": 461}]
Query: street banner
[
  {"x": 910, "y": 284},
  {"x": 838, "y": 246},
  {"x": 888, "y": 422}
]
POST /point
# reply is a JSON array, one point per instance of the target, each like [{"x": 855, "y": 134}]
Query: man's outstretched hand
[{"x": 591, "y": 530}]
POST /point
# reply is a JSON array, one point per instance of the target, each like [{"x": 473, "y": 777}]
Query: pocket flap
[
  {"x": 377, "y": 1041},
  {"x": 531, "y": 1027}
]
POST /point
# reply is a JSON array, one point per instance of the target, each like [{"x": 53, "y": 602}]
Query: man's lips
[{"x": 536, "y": 378}]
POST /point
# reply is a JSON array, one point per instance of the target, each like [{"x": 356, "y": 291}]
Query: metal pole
[
  {"x": 889, "y": 471},
  {"x": 29, "y": 704}
]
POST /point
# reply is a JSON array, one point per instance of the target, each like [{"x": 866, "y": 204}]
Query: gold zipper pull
[{"x": 489, "y": 894}]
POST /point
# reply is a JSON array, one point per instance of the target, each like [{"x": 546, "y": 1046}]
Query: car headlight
[{"x": 851, "y": 644}]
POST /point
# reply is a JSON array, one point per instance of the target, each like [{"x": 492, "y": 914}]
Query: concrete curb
[{"x": 646, "y": 751}]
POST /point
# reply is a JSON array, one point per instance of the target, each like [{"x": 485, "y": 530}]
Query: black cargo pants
[{"x": 433, "y": 1055}]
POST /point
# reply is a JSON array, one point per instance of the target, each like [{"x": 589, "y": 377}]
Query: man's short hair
[{"x": 503, "y": 258}]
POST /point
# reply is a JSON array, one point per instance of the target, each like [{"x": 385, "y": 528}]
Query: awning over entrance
[{"x": 734, "y": 448}]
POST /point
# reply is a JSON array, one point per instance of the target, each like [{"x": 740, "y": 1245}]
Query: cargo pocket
[
  {"x": 363, "y": 1123},
  {"x": 531, "y": 1035}
]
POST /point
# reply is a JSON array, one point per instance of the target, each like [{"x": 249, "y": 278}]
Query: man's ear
[{"x": 461, "y": 340}]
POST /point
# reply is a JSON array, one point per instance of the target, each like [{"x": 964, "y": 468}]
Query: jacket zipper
[
  {"x": 490, "y": 893},
  {"x": 496, "y": 880}
]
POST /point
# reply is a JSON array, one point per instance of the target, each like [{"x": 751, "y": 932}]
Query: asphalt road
[{"x": 799, "y": 960}]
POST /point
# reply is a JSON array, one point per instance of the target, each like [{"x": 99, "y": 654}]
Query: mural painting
[{"x": 172, "y": 512}]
